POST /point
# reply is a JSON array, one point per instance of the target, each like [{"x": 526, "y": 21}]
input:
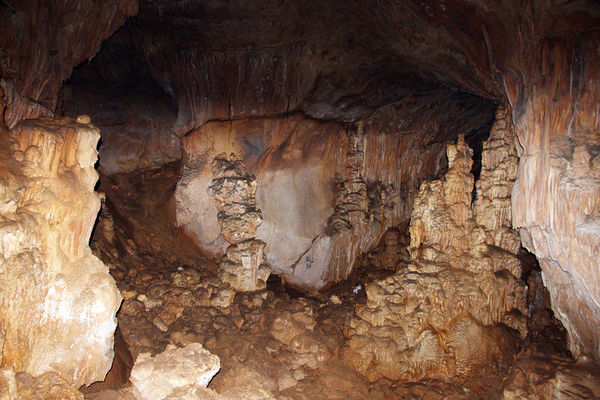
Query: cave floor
[{"x": 280, "y": 340}]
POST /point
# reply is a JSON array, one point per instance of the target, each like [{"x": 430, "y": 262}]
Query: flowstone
[{"x": 58, "y": 301}]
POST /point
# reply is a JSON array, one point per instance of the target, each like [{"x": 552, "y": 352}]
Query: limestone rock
[
  {"x": 233, "y": 189},
  {"x": 58, "y": 302},
  {"x": 492, "y": 208},
  {"x": 243, "y": 266},
  {"x": 194, "y": 392},
  {"x": 307, "y": 348},
  {"x": 539, "y": 376},
  {"x": 8, "y": 384},
  {"x": 430, "y": 320},
  {"x": 155, "y": 378},
  {"x": 447, "y": 311},
  {"x": 38, "y": 67},
  {"x": 48, "y": 386},
  {"x": 247, "y": 393}
]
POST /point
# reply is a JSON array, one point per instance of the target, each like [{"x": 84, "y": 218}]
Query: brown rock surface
[
  {"x": 556, "y": 199},
  {"x": 156, "y": 378},
  {"x": 541, "y": 376},
  {"x": 135, "y": 119},
  {"x": 43, "y": 41},
  {"x": 55, "y": 292},
  {"x": 442, "y": 315},
  {"x": 48, "y": 386}
]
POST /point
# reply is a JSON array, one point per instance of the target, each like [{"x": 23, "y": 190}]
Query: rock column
[{"x": 233, "y": 189}]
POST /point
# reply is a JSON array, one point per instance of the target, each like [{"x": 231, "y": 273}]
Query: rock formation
[
  {"x": 43, "y": 41},
  {"x": 156, "y": 378},
  {"x": 233, "y": 189},
  {"x": 340, "y": 110},
  {"x": 326, "y": 192},
  {"x": 48, "y": 386},
  {"x": 55, "y": 292},
  {"x": 492, "y": 207},
  {"x": 545, "y": 377},
  {"x": 449, "y": 310}
]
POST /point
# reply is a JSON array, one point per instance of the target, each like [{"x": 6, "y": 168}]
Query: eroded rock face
[
  {"x": 544, "y": 377},
  {"x": 448, "y": 310},
  {"x": 58, "y": 302},
  {"x": 326, "y": 192},
  {"x": 43, "y": 41},
  {"x": 48, "y": 386}
]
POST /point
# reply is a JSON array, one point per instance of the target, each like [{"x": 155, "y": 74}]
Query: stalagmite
[
  {"x": 446, "y": 313},
  {"x": 233, "y": 189},
  {"x": 58, "y": 302}
]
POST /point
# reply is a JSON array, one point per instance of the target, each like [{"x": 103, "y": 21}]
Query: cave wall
[
  {"x": 499, "y": 50},
  {"x": 326, "y": 191},
  {"x": 540, "y": 54},
  {"x": 556, "y": 199},
  {"x": 257, "y": 59}
]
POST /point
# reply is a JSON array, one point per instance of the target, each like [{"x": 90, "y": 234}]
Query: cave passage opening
[
  {"x": 305, "y": 200},
  {"x": 374, "y": 164}
]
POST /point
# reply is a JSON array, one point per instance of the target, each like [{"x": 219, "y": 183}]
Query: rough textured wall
[
  {"x": 556, "y": 200},
  {"x": 43, "y": 41},
  {"x": 258, "y": 58},
  {"x": 445, "y": 314},
  {"x": 139, "y": 164},
  {"x": 135, "y": 120},
  {"x": 58, "y": 303}
]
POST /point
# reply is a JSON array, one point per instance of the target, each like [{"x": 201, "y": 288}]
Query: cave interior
[{"x": 362, "y": 199}]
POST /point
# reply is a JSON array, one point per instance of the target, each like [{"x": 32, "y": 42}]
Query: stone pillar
[{"x": 233, "y": 189}]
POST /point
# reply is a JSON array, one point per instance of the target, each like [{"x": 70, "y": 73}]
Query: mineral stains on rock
[{"x": 447, "y": 311}]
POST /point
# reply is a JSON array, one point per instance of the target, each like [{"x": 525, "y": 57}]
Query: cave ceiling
[
  {"x": 334, "y": 60},
  {"x": 329, "y": 59}
]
